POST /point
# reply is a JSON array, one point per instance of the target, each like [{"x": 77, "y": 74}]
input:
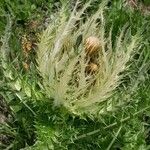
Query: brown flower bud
[
  {"x": 91, "y": 68},
  {"x": 92, "y": 45}
]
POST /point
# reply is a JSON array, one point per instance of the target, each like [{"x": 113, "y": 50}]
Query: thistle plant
[
  {"x": 67, "y": 48},
  {"x": 89, "y": 87}
]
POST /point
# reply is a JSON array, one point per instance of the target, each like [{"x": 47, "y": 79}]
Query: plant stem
[{"x": 115, "y": 137}]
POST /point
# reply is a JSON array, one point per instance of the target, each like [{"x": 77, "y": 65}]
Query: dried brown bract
[{"x": 26, "y": 45}]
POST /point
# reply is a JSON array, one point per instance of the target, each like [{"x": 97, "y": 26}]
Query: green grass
[{"x": 46, "y": 107}]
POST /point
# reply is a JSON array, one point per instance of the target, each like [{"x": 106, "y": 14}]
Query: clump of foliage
[{"x": 59, "y": 102}]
